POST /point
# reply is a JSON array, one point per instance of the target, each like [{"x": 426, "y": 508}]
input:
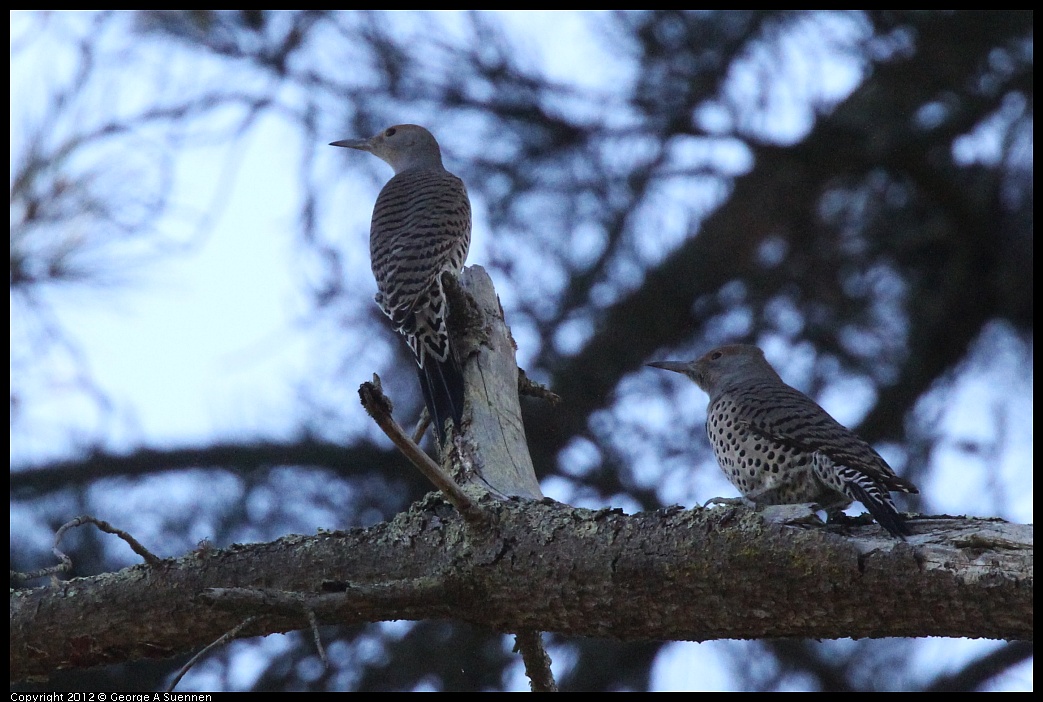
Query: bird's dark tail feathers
[
  {"x": 442, "y": 383},
  {"x": 879, "y": 503}
]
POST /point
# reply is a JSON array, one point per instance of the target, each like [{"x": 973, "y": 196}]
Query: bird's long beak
[
  {"x": 360, "y": 144},
  {"x": 675, "y": 366}
]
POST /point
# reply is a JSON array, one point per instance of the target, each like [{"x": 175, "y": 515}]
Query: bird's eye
[
  {"x": 390, "y": 132},
  {"x": 715, "y": 355}
]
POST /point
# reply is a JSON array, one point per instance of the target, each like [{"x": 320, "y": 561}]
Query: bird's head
[
  {"x": 403, "y": 147},
  {"x": 723, "y": 367}
]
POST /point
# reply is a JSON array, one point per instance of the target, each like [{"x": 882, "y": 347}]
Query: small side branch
[
  {"x": 65, "y": 563},
  {"x": 136, "y": 546},
  {"x": 379, "y": 408},
  {"x": 225, "y": 638},
  {"x": 422, "y": 423},
  {"x": 537, "y": 661},
  {"x": 313, "y": 622},
  {"x": 529, "y": 387}
]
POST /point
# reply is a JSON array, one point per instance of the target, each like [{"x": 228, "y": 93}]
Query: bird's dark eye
[
  {"x": 390, "y": 132},
  {"x": 715, "y": 355}
]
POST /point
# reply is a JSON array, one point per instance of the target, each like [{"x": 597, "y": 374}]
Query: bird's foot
[{"x": 729, "y": 502}]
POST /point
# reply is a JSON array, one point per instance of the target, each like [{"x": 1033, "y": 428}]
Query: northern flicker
[
  {"x": 421, "y": 228},
  {"x": 778, "y": 447}
]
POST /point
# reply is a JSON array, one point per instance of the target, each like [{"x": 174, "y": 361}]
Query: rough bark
[
  {"x": 493, "y": 445},
  {"x": 674, "y": 574}
]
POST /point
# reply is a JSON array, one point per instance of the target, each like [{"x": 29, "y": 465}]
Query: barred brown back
[{"x": 421, "y": 227}]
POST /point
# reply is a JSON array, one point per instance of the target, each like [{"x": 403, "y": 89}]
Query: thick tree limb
[{"x": 674, "y": 574}]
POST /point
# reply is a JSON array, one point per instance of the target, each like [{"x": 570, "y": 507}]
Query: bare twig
[
  {"x": 421, "y": 426},
  {"x": 379, "y": 408},
  {"x": 313, "y": 622},
  {"x": 149, "y": 557},
  {"x": 527, "y": 386},
  {"x": 227, "y": 636},
  {"x": 65, "y": 564},
  {"x": 537, "y": 662},
  {"x": 286, "y": 603},
  {"x": 269, "y": 601}
]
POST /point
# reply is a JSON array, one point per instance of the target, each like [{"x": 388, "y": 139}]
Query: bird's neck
[{"x": 425, "y": 165}]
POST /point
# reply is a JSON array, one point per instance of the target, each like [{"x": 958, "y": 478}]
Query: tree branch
[
  {"x": 674, "y": 574},
  {"x": 379, "y": 408},
  {"x": 362, "y": 458}
]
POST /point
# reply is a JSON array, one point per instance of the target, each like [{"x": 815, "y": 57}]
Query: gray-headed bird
[
  {"x": 421, "y": 228},
  {"x": 778, "y": 447}
]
